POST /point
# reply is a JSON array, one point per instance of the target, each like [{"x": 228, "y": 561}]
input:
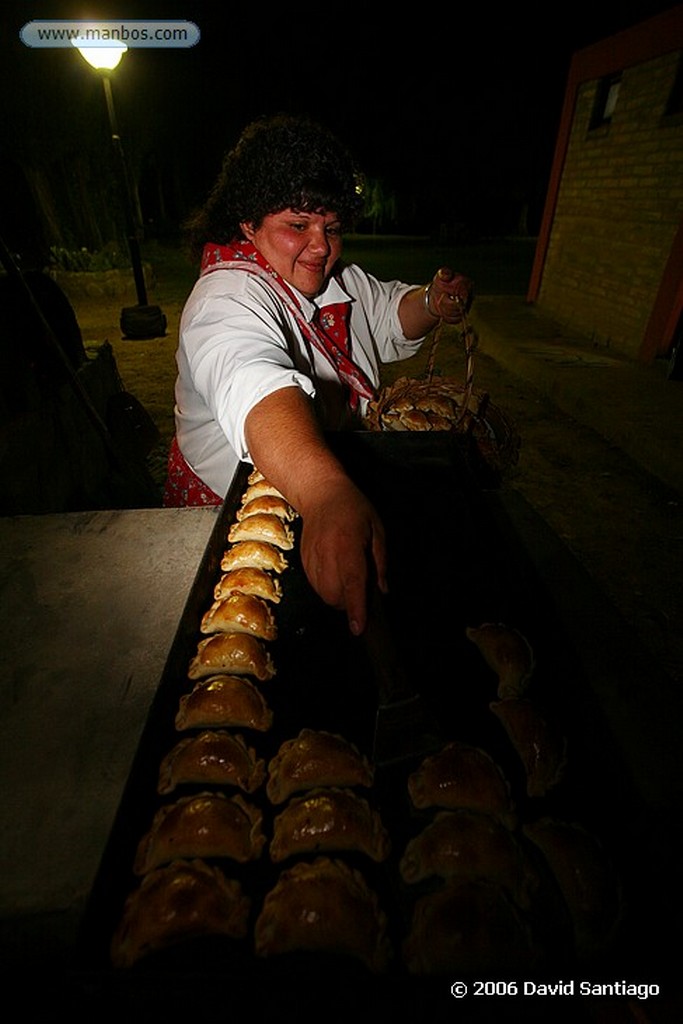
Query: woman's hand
[
  {"x": 448, "y": 295},
  {"x": 343, "y": 549}
]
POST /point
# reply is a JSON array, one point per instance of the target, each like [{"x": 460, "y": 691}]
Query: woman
[{"x": 280, "y": 341}]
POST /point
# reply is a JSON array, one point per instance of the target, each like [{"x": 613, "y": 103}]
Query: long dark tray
[{"x": 455, "y": 560}]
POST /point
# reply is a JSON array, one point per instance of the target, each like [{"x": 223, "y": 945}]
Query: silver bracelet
[{"x": 426, "y": 298}]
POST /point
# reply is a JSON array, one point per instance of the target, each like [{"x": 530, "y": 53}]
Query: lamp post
[{"x": 143, "y": 320}]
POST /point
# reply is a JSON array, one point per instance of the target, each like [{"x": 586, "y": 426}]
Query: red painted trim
[
  {"x": 668, "y": 306},
  {"x": 645, "y": 41}
]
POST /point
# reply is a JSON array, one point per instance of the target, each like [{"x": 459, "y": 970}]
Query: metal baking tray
[{"x": 455, "y": 560}]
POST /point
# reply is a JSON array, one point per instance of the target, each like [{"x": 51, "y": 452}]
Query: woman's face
[{"x": 301, "y": 247}]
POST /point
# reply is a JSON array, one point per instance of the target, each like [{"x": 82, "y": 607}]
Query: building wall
[{"x": 619, "y": 206}]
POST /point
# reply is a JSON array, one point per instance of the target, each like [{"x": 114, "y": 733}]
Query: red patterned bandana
[{"x": 328, "y": 332}]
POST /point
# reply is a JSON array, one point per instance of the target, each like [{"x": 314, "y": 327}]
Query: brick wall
[{"x": 619, "y": 205}]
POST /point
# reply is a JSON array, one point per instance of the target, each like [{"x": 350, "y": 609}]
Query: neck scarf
[{"x": 328, "y": 331}]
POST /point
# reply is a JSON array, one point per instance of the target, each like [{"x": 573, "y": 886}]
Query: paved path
[{"x": 634, "y": 406}]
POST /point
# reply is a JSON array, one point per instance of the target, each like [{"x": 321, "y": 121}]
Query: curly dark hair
[{"x": 280, "y": 162}]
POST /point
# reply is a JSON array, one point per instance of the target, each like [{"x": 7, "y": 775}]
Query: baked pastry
[
  {"x": 541, "y": 747},
  {"x": 467, "y": 846},
  {"x": 329, "y": 820},
  {"x": 240, "y": 613},
  {"x": 312, "y": 759},
  {"x": 265, "y": 527},
  {"x": 587, "y": 879},
  {"x": 258, "y": 488},
  {"x": 212, "y": 757},
  {"x": 324, "y": 906},
  {"x": 258, "y": 554},
  {"x": 461, "y": 775},
  {"x": 231, "y": 653},
  {"x": 205, "y": 826},
  {"x": 469, "y": 929},
  {"x": 508, "y": 653},
  {"x": 176, "y": 903},
  {"x": 411, "y": 419},
  {"x": 224, "y": 701},
  {"x": 249, "y": 580},
  {"x": 270, "y": 504},
  {"x": 255, "y": 476}
]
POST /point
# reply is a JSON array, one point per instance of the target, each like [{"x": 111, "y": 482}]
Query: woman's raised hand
[{"x": 448, "y": 295}]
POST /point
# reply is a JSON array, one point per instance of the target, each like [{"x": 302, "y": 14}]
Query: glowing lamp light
[{"x": 102, "y": 58}]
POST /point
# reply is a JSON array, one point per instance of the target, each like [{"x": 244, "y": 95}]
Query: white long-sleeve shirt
[{"x": 239, "y": 342}]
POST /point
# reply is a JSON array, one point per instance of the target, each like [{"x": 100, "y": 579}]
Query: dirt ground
[{"x": 577, "y": 481}]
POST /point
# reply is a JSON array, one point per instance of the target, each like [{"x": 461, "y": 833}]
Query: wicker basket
[
  {"x": 412, "y": 404},
  {"x": 445, "y": 403}
]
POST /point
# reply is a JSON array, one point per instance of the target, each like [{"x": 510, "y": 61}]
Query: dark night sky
[{"x": 471, "y": 95}]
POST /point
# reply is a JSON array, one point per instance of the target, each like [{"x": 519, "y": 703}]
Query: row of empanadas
[
  {"x": 212, "y": 757},
  {"x": 313, "y": 759},
  {"x": 205, "y": 826},
  {"x": 541, "y": 748},
  {"x": 181, "y": 896},
  {"x": 240, "y": 618}
]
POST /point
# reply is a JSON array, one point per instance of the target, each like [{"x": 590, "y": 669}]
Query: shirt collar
[{"x": 333, "y": 292}]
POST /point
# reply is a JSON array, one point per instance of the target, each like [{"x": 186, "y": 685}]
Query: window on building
[{"x": 605, "y": 101}]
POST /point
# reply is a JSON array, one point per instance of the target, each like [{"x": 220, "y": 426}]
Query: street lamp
[{"x": 143, "y": 320}]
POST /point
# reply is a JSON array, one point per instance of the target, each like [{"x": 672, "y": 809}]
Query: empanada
[
  {"x": 467, "y": 846},
  {"x": 312, "y": 759},
  {"x": 586, "y": 876},
  {"x": 264, "y": 527},
  {"x": 328, "y": 820},
  {"x": 469, "y": 929},
  {"x": 258, "y": 554},
  {"x": 327, "y": 907},
  {"x": 224, "y": 701},
  {"x": 231, "y": 653},
  {"x": 240, "y": 613},
  {"x": 461, "y": 775},
  {"x": 508, "y": 653},
  {"x": 541, "y": 747},
  {"x": 270, "y": 504},
  {"x": 249, "y": 580},
  {"x": 213, "y": 757},
  {"x": 205, "y": 826},
  {"x": 182, "y": 901},
  {"x": 258, "y": 488}
]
